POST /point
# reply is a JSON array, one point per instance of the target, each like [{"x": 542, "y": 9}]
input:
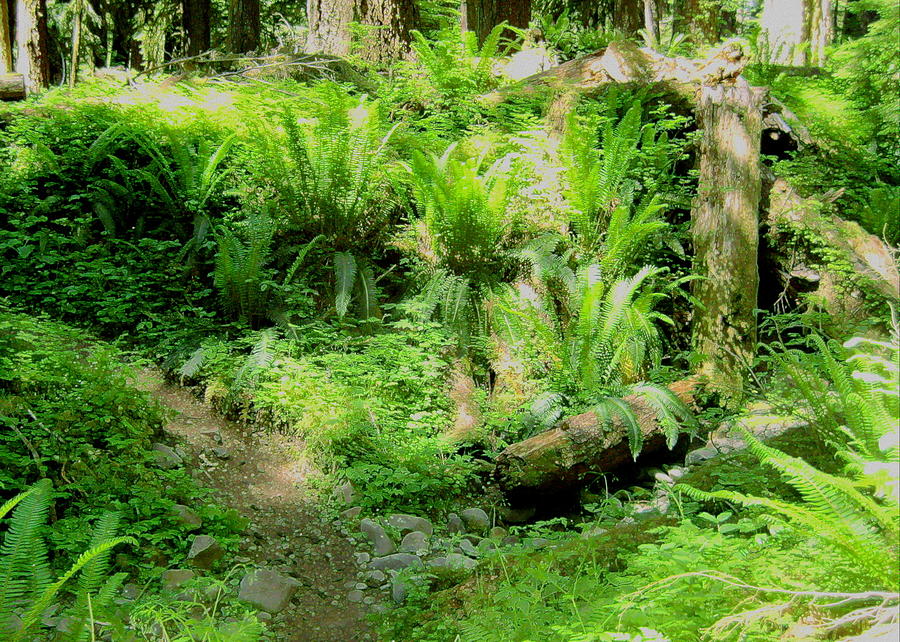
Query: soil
[{"x": 266, "y": 478}]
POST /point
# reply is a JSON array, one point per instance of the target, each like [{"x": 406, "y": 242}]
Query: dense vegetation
[{"x": 410, "y": 278}]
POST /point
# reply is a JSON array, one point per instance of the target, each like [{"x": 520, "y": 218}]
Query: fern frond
[{"x": 345, "y": 276}]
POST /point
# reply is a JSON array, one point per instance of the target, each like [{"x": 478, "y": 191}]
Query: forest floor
[{"x": 265, "y": 477}]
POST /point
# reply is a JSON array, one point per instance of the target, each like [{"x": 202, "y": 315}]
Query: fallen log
[
  {"x": 559, "y": 459},
  {"x": 12, "y": 87}
]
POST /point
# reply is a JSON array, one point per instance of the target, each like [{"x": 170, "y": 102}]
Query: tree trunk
[
  {"x": 699, "y": 20},
  {"x": 76, "y": 42},
  {"x": 392, "y": 21},
  {"x": 195, "y": 19},
  {"x": 819, "y": 29},
  {"x": 243, "y": 26},
  {"x": 329, "y": 26},
  {"x": 6, "y": 59},
  {"x": 12, "y": 87},
  {"x": 725, "y": 227},
  {"x": 651, "y": 20},
  {"x": 481, "y": 16},
  {"x": 796, "y": 32},
  {"x": 628, "y": 16},
  {"x": 559, "y": 459},
  {"x": 32, "y": 58}
]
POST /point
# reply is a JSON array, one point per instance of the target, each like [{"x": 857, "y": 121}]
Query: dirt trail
[{"x": 265, "y": 478}]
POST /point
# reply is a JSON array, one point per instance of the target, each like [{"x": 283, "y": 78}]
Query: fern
[
  {"x": 344, "y": 275},
  {"x": 240, "y": 268}
]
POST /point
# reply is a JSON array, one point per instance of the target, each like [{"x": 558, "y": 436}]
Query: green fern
[{"x": 240, "y": 268}]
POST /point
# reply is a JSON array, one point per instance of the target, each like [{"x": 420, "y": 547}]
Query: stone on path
[
  {"x": 381, "y": 543},
  {"x": 205, "y": 551},
  {"x": 166, "y": 457},
  {"x": 455, "y": 524},
  {"x": 476, "y": 519},
  {"x": 414, "y": 542},
  {"x": 174, "y": 578},
  {"x": 396, "y": 562},
  {"x": 408, "y": 523},
  {"x": 351, "y": 513},
  {"x": 453, "y": 561},
  {"x": 267, "y": 590}
]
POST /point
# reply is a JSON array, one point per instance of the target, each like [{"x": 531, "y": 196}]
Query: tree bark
[
  {"x": 559, "y": 459},
  {"x": 628, "y": 16},
  {"x": 797, "y": 32},
  {"x": 329, "y": 26},
  {"x": 32, "y": 58},
  {"x": 699, "y": 20},
  {"x": 195, "y": 19},
  {"x": 12, "y": 87},
  {"x": 725, "y": 228},
  {"x": 819, "y": 29},
  {"x": 76, "y": 42},
  {"x": 243, "y": 25},
  {"x": 651, "y": 20},
  {"x": 392, "y": 21},
  {"x": 6, "y": 59},
  {"x": 481, "y": 16}
]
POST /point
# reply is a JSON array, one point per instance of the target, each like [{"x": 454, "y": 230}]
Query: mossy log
[
  {"x": 559, "y": 459},
  {"x": 12, "y": 87}
]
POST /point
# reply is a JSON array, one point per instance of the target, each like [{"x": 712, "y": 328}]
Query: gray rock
[
  {"x": 267, "y": 590},
  {"x": 510, "y": 540},
  {"x": 401, "y": 586},
  {"x": 476, "y": 520},
  {"x": 175, "y": 578},
  {"x": 381, "y": 543},
  {"x": 663, "y": 478},
  {"x": 205, "y": 551},
  {"x": 593, "y": 531},
  {"x": 643, "y": 511},
  {"x": 397, "y": 561},
  {"x": 376, "y": 578},
  {"x": 360, "y": 586},
  {"x": 166, "y": 457},
  {"x": 466, "y": 547},
  {"x": 415, "y": 542},
  {"x": 455, "y": 524},
  {"x": 351, "y": 513},
  {"x": 355, "y": 596},
  {"x": 676, "y": 473},
  {"x": 486, "y": 546},
  {"x": 186, "y": 517},
  {"x": 409, "y": 523},
  {"x": 538, "y": 542},
  {"x": 498, "y": 532},
  {"x": 362, "y": 558},
  {"x": 453, "y": 561},
  {"x": 131, "y": 591},
  {"x": 700, "y": 455},
  {"x": 221, "y": 452},
  {"x": 347, "y": 493}
]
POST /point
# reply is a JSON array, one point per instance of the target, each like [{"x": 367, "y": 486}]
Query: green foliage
[{"x": 240, "y": 268}]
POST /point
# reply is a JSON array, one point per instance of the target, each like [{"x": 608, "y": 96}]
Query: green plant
[
  {"x": 240, "y": 268},
  {"x": 26, "y": 585}
]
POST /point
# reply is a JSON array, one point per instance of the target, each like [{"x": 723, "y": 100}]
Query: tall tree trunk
[
  {"x": 698, "y": 19},
  {"x": 797, "y": 31},
  {"x": 725, "y": 228},
  {"x": 76, "y": 41},
  {"x": 819, "y": 29},
  {"x": 6, "y": 59},
  {"x": 651, "y": 20},
  {"x": 243, "y": 25},
  {"x": 628, "y": 16},
  {"x": 329, "y": 26},
  {"x": 32, "y": 58},
  {"x": 195, "y": 20},
  {"x": 392, "y": 21},
  {"x": 109, "y": 37},
  {"x": 481, "y": 16}
]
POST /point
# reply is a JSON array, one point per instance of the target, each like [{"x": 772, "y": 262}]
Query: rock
[
  {"x": 381, "y": 543},
  {"x": 516, "y": 515},
  {"x": 700, "y": 455},
  {"x": 465, "y": 546},
  {"x": 676, "y": 473},
  {"x": 642, "y": 511},
  {"x": 186, "y": 517},
  {"x": 347, "y": 493},
  {"x": 360, "y": 586},
  {"x": 415, "y": 542},
  {"x": 174, "y": 578},
  {"x": 453, "y": 561},
  {"x": 351, "y": 513},
  {"x": 397, "y": 561},
  {"x": 267, "y": 590},
  {"x": 593, "y": 531},
  {"x": 355, "y": 596},
  {"x": 166, "y": 457},
  {"x": 362, "y": 558},
  {"x": 455, "y": 524},
  {"x": 476, "y": 520},
  {"x": 510, "y": 540},
  {"x": 400, "y": 588},
  {"x": 221, "y": 452},
  {"x": 486, "y": 546},
  {"x": 663, "y": 478},
  {"x": 538, "y": 542},
  {"x": 131, "y": 591},
  {"x": 498, "y": 532},
  {"x": 205, "y": 551},
  {"x": 408, "y": 523},
  {"x": 376, "y": 578}
]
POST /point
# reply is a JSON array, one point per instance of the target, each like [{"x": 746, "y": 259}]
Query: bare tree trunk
[
  {"x": 6, "y": 59},
  {"x": 628, "y": 16},
  {"x": 329, "y": 26},
  {"x": 651, "y": 20},
  {"x": 32, "y": 59},
  {"x": 481, "y": 16},
  {"x": 819, "y": 29},
  {"x": 195, "y": 20},
  {"x": 76, "y": 42},
  {"x": 725, "y": 227},
  {"x": 392, "y": 21},
  {"x": 698, "y": 20},
  {"x": 243, "y": 25}
]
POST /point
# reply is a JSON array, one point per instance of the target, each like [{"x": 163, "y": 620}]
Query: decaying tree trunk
[
  {"x": 725, "y": 230},
  {"x": 12, "y": 86},
  {"x": 559, "y": 459}
]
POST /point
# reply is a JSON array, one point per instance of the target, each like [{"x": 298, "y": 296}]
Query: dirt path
[{"x": 265, "y": 478}]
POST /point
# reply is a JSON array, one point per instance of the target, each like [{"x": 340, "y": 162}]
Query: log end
[{"x": 12, "y": 87}]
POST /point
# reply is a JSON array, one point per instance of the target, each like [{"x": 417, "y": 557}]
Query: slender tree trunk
[
  {"x": 628, "y": 16},
  {"x": 481, "y": 16},
  {"x": 392, "y": 21},
  {"x": 109, "y": 33},
  {"x": 243, "y": 25},
  {"x": 651, "y": 20},
  {"x": 32, "y": 58},
  {"x": 725, "y": 228},
  {"x": 6, "y": 59},
  {"x": 76, "y": 42},
  {"x": 195, "y": 20},
  {"x": 329, "y": 26}
]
